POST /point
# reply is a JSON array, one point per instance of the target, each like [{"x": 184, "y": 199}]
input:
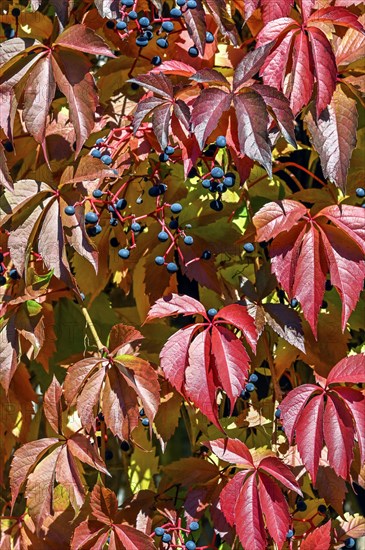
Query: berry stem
[{"x": 93, "y": 331}]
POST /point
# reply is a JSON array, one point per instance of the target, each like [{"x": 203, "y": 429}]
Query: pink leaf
[
  {"x": 196, "y": 25},
  {"x": 207, "y": 111},
  {"x": 291, "y": 407},
  {"x": 83, "y": 39},
  {"x": 301, "y": 83},
  {"x": 320, "y": 538},
  {"x": 250, "y": 65},
  {"x": 275, "y": 217},
  {"x": 274, "y": 508},
  {"x": 174, "y": 356},
  {"x": 248, "y": 517},
  {"x": 230, "y": 493},
  {"x": 355, "y": 402},
  {"x": 233, "y": 451},
  {"x": 175, "y": 305},
  {"x": 350, "y": 369},
  {"x": 325, "y": 68},
  {"x": 52, "y": 404},
  {"x": 273, "y": 466},
  {"x": 238, "y": 316},
  {"x": 309, "y": 434}
]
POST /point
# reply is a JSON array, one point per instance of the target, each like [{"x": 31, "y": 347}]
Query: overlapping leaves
[
  {"x": 305, "y": 248},
  {"x": 115, "y": 384},
  {"x": 200, "y": 359},
  {"x": 332, "y": 413},
  {"x": 253, "y": 500}
]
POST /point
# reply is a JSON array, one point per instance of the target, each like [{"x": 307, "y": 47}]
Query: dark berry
[
  {"x": 13, "y": 274},
  {"x": 1, "y": 257},
  {"x": 217, "y": 172},
  {"x": 106, "y": 159},
  {"x": 253, "y": 378},
  {"x": 350, "y": 543},
  {"x": 99, "y": 141},
  {"x": 206, "y": 255},
  {"x": 113, "y": 222},
  {"x": 322, "y": 509},
  {"x": 15, "y": 12},
  {"x": 9, "y": 33},
  {"x": 211, "y": 312},
  {"x": 114, "y": 242},
  {"x": 121, "y": 204},
  {"x": 167, "y": 26},
  {"x": 193, "y": 51},
  {"x": 162, "y": 188},
  {"x": 95, "y": 230},
  {"x": 97, "y": 193},
  {"x": 108, "y": 454},
  {"x": 190, "y": 545},
  {"x": 210, "y": 152},
  {"x": 250, "y": 387},
  {"x": 2, "y": 280},
  {"x": 192, "y": 172},
  {"x": 132, "y": 15},
  {"x": 110, "y": 24},
  {"x": 135, "y": 227},
  {"x": 69, "y": 210},
  {"x": 144, "y": 21},
  {"x": 175, "y": 12},
  {"x": 159, "y": 531},
  {"x": 159, "y": 260},
  {"x": 142, "y": 413},
  {"x": 277, "y": 413},
  {"x": 124, "y": 253},
  {"x": 163, "y": 157},
  {"x": 216, "y": 205},
  {"x": 162, "y": 43},
  {"x": 328, "y": 285},
  {"x": 221, "y": 188},
  {"x": 191, "y": 4},
  {"x": 221, "y": 141},
  {"x": 324, "y": 304},
  {"x": 172, "y": 267},
  {"x": 139, "y": 200},
  {"x": 162, "y": 236},
  {"x": 154, "y": 191},
  {"x": 142, "y": 42},
  {"x": 248, "y": 247},
  {"x": 166, "y": 537},
  {"x": 125, "y": 446},
  {"x": 145, "y": 422},
  {"x": 91, "y": 217},
  {"x": 188, "y": 240},
  {"x": 294, "y": 302},
  {"x": 360, "y": 192},
  {"x": 194, "y": 526},
  {"x": 121, "y": 25},
  {"x": 301, "y": 506},
  {"x": 156, "y": 60},
  {"x": 245, "y": 395},
  {"x": 8, "y": 146},
  {"x": 290, "y": 534},
  {"x": 176, "y": 208},
  {"x": 174, "y": 224},
  {"x": 169, "y": 150},
  {"x": 209, "y": 38}
]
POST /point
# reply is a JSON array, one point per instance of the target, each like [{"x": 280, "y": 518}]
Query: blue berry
[
  {"x": 91, "y": 217},
  {"x": 190, "y": 545},
  {"x": 8, "y": 146},
  {"x": 121, "y": 25},
  {"x": 145, "y": 422},
  {"x": 290, "y": 534},
  {"x": 245, "y": 395},
  {"x": 13, "y": 274},
  {"x": 127, "y": 3},
  {"x": 159, "y": 260},
  {"x": 206, "y": 255},
  {"x": 221, "y": 188},
  {"x": 250, "y": 387},
  {"x": 248, "y": 247},
  {"x": 69, "y": 210},
  {"x": 360, "y": 192},
  {"x": 106, "y": 159},
  {"x": 97, "y": 193},
  {"x": 2, "y": 280},
  {"x": 229, "y": 179},
  {"x": 141, "y": 412},
  {"x": 217, "y": 172},
  {"x": 163, "y": 157},
  {"x": 188, "y": 240},
  {"x": 194, "y": 526},
  {"x": 181, "y": 2},
  {"x": 144, "y": 21},
  {"x": 176, "y": 208},
  {"x": 301, "y": 506},
  {"x": 212, "y": 311},
  {"x": 209, "y": 38},
  {"x": 206, "y": 183},
  {"x": 350, "y": 543},
  {"x": 216, "y": 205},
  {"x": 9, "y": 33},
  {"x": 277, "y": 413},
  {"x": 142, "y": 41},
  {"x": 191, "y": 4},
  {"x": 99, "y": 141},
  {"x": 113, "y": 222},
  {"x": 253, "y": 378},
  {"x": 221, "y": 141},
  {"x": 135, "y": 227},
  {"x": 95, "y": 230},
  {"x": 193, "y": 51},
  {"x": 124, "y": 253},
  {"x": 162, "y": 236},
  {"x": 132, "y": 15},
  {"x": 148, "y": 34},
  {"x": 162, "y": 188},
  {"x": 294, "y": 302},
  {"x": 159, "y": 531},
  {"x": 169, "y": 150},
  {"x": 175, "y": 12},
  {"x": 156, "y": 60},
  {"x": 172, "y": 267},
  {"x": 162, "y": 43},
  {"x": 96, "y": 153},
  {"x": 167, "y": 26},
  {"x": 166, "y": 537},
  {"x": 121, "y": 204}
]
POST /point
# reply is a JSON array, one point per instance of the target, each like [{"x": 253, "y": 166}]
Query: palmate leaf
[
  {"x": 116, "y": 383},
  {"x": 305, "y": 249},
  {"x": 333, "y": 415},
  {"x": 202, "y": 358},
  {"x": 252, "y": 499}
]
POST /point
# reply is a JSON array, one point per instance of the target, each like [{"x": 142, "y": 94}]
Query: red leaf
[
  {"x": 248, "y": 517},
  {"x": 320, "y": 538},
  {"x": 253, "y": 128},
  {"x": 161, "y": 117},
  {"x": 250, "y": 65},
  {"x": 309, "y": 434},
  {"x": 200, "y": 387},
  {"x": 120, "y": 405},
  {"x": 333, "y": 135},
  {"x": 156, "y": 83},
  {"x": 279, "y": 105},
  {"x": 230, "y": 493},
  {"x": 238, "y": 316},
  {"x": 274, "y": 29},
  {"x": 292, "y": 406},
  {"x": 8, "y": 353},
  {"x": 121, "y": 336},
  {"x": 274, "y": 508},
  {"x": 196, "y": 25},
  {"x": 172, "y": 66},
  {"x": 338, "y": 434},
  {"x": 175, "y": 305},
  {"x": 351, "y": 219},
  {"x": 274, "y": 467},
  {"x": 104, "y": 504},
  {"x": 272, "y": 70},
  {"x": 174, "y": 356},
  {"x": 337, "y": 16},
  {"x": 83, "y": 39},
  {"x": 210, "y": 76},
  {"x": 52, "y": 404},
  {"x": 301, "y": 84},
  {"x": 325, "y": 68},
  {"x": 350, "y": 369},
  {"x": 81, "y": 447},
  {"x": 232, "y": 362},
  {"x": 233, "y": 451},
  {"x": 276, "y": 217},
  {"x": 355, "y": 402},
  {"x": 207, "y": 111},
  {"x": 5, "y": 177},
  {"x": 132, "y": 539},
  {"x": 89, "y": 534},
  {"x": 146, "y": 107}
]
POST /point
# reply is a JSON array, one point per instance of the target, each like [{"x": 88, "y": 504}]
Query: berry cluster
[
  {"x": 249, "y": 387},
  {"x": 175, "y": 536},
  {"x": 4, "y": 270}
]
